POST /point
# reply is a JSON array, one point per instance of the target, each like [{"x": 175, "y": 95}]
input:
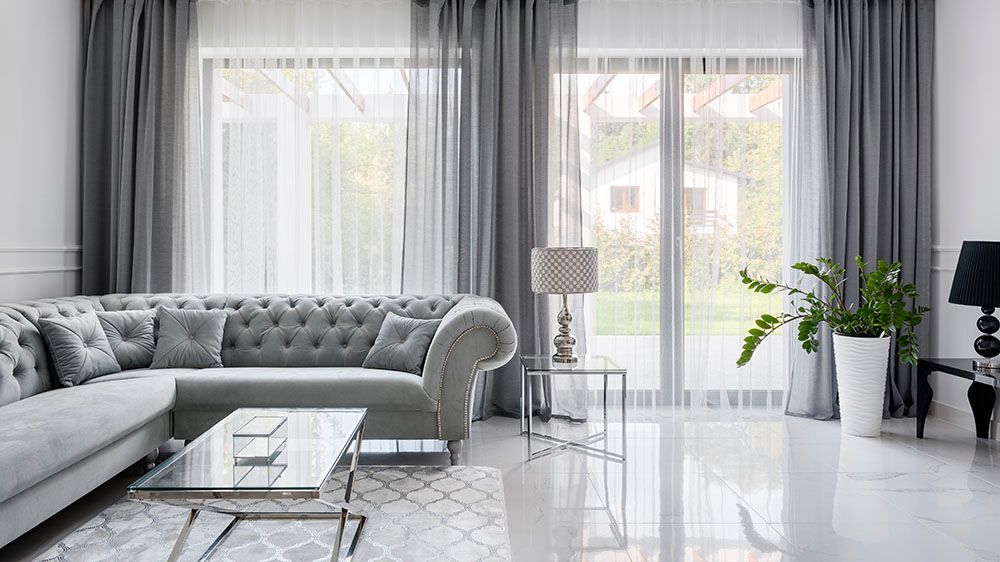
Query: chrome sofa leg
[
  {"x": 455, "y": 449},
  {"x": 149, "y": 461}
]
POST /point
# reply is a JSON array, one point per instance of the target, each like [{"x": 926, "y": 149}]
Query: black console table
[{"x": 982, "y": 391}]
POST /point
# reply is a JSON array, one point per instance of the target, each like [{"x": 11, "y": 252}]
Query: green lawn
[{"x": 638, "y": 314}]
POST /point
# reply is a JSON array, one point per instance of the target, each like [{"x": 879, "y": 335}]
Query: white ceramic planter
[{"x": 861, "y": 369}]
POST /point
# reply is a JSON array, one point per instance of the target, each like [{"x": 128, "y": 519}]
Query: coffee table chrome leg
[
  {"x": 182, "y": 537},
  {"x": 219, "y": 539},
  {"x": 354, "y": 464},
  {"x": 357, "y": 536},
  {"x": 348, "y": 492},
  {"x": 340, "y": 535},
  {"x": 345, "y": 516}
]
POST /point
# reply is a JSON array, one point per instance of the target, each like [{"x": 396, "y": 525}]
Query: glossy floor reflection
[
  {"x": 711, "y": 486},
  {"x": 706, "y": 486}
]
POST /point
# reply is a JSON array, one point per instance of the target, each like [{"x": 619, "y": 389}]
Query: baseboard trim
[{"x": 955, "y": 416}]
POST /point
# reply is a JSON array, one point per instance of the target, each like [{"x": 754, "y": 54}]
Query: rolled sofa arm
[{"x": 475, "y": 335}]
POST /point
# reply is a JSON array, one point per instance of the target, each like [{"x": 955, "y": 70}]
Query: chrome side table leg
[
  {"x": 530, "y": 411},
  {"x": 524, "y": 375},
  {"x": 624, "y": 420}
]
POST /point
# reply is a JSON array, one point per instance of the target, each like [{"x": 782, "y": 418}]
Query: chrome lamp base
[
  {"x": 986, "y": 365},
  {"x": 563, "y": 341}
]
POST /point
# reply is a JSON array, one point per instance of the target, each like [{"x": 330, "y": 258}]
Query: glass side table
[{"x": 589, "y": 365}]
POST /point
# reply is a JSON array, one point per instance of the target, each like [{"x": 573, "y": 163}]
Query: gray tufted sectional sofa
[{"x": 57, "y": 444}]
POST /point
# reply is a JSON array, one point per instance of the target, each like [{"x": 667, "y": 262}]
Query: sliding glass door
[{"x": 684, "y": 170}]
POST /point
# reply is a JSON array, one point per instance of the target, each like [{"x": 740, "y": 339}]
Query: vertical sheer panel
[
  {"x": 305, "y": 128},
  {"x": 687, "y": 130}
]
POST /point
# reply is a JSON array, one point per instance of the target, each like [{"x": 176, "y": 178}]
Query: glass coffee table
[{"x": 283, "y": 456}]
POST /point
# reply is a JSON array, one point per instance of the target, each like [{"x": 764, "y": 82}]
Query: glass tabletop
[
  {"x": 586, "y": 365},
  {"x": 315, "y": 442}
]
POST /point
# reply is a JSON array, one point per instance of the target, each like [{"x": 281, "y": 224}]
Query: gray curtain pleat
[
  {"x": 872, "y": 62},
  {"x": 478, "y": 185},
  {"x": 135, "y": 145}
]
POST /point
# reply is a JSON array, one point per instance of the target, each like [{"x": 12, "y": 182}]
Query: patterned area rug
[{"x": 415, "y": 513}]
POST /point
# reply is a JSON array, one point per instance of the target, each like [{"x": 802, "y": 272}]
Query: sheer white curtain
[
  {"x": 304, "y": 136},
  {"x": 688, "y": 125}
]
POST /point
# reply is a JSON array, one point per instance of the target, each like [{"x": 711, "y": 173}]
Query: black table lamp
[{"x": 977, "y": 283}]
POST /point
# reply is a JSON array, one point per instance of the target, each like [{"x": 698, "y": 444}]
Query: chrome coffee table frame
[
  {"x": 538, "y": 365},
  {"x": 228, "y": 502}
]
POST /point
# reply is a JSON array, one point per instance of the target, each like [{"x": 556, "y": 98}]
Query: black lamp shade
[{"x": 977, "y": 275}]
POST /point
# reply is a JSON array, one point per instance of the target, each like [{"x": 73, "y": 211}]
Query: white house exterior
[{"x": 627, "y": 189}]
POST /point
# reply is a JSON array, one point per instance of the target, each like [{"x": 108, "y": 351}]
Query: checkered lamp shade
[{"x": 564, "y": 270}]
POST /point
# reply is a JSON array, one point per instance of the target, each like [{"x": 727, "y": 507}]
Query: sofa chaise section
[{"x": 56, "y": 444}]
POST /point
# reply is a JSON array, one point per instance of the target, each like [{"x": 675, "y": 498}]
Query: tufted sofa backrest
[
  {"x": 295, "y": 330},
  {"x": 260, "y": 331}
]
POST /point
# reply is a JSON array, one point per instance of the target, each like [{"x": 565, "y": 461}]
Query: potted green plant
[{"x": 861, "y": 332}]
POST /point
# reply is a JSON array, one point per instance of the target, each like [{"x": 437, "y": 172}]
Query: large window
[{"x": 307, "y": 169}]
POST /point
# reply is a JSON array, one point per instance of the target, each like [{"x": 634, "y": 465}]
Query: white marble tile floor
[{"x": 704, "y": 485}]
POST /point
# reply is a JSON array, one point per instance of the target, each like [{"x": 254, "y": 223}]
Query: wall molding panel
[
  {"x": 41, "y": 249},
  {"x": 29, "y": 272},
  {"x": 943, "y": 258}
]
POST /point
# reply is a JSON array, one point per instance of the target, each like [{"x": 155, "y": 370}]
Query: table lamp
[
  {"x": 564, "y": 271},
  {"x": 977, "y": 283}
]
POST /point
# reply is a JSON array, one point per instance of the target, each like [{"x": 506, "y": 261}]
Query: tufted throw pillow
[
  {"x": 130, "y": 333},
  {"x": 189, "y": 338},
  {"x": 79, "y": 348},
  {"x": 402, "y": 344}
]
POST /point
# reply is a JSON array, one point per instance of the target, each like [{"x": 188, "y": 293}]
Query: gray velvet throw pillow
[
  {"x": 130, "y": 333},
  {"x": 189, "y": 338},
  {"x": 402, "y": 344},
  {"x": 79, "y": 348}
]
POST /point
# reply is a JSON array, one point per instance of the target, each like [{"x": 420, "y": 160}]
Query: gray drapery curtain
[
  {"x": 141, "y": 169},
  {"x": 491, "y": 144},
  {"x": 871, "y": 63}
]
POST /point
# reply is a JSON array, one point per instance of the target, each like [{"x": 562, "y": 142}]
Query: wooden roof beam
[
  {"x": 349, "y": 88},
  {"x": 233, "y": 93},
  {"x": 285, "y": 86},
  {"x": 715, "y": 90},
  {"x": 765, "y": 97},
  {"x": 651, "y": 94},
  {"x": 406, "y": 78},
  {"x": 596, "y": 89}
]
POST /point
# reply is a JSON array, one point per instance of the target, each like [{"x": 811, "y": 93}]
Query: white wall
[
  {"x": 40, "y": 94},
  {"x": 966, "y": 176}
]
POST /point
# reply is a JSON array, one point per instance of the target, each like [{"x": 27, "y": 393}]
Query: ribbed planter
[{"x": 861, "y": 369}]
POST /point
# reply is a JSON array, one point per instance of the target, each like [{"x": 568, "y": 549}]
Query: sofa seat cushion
[
  {"x": 141, "y": 374},
  {"x": 48, "y": 432},
  {"x": 305, "y": 387}
]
